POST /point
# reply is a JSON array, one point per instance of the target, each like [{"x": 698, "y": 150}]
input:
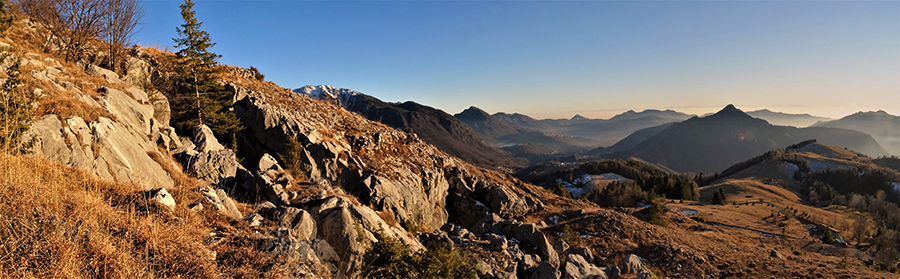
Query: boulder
[
  {"x": 776, "y": 254},
  {"x": 218, "y": 168},
  {"x": 578, "y": 268},
  {"x": 205, "y": 140},
  {"x": 161, "y": 110},
  {"x": 633, "y": 265},
  {"x": 584, "y": 252},
  {"x": 254, "y": 219},
  {"x": 221, "y": 202},
  {"x": 505, "y": 202},
  {"x": 347, "y": 226},
  {"x": 271, "y": 180},
  {"x": 545, "y": 270},
  {"x": 163, "y": 198}
]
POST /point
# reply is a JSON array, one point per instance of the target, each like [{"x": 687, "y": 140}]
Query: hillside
[
  {"x": 884, "y": 127},
  {"x": 787, "y": 119},
  {"x": 712, "y": 143},
  {"x": 431, "y": 125}
]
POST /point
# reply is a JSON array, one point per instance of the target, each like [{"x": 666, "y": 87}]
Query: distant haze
[{"x": 555, "y": 59}]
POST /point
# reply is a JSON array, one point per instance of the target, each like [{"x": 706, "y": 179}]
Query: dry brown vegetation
[{"x": 60, "y": 222}]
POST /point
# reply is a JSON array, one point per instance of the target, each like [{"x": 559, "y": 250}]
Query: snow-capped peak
[{"x": 327, "y": 93}]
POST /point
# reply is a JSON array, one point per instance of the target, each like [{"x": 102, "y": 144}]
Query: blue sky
[{"x": 558, "y": 58}]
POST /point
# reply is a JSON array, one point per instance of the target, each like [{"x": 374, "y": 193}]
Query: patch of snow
[
  {"x": 513, "y": 240},
  {"x": 478, "y": 203},
  {"x": 688, "y": 212},
  {"x": 327, "y": 93},
  {"x": 788, "y": 169},
  {"x": 554, "y": 219},
  {"x": 896, "y": 186},
  {"x": 612, "y": 176}
]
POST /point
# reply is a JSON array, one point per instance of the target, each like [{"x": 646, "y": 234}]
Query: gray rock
[
  {"x": 776, "y": 254},
  {"x": 161, "y": 110},
  {"x": 304, "y": 226},
  {"x": 499, "y": 244},
  {"x": 505, "y": 202},
  {"x": 205, "y": 140},
  {"x": 137, "y": 71},
  {"x": 546, "y": 249},
  {"x": 271, "y": 180},
  {"x": 612, "y": 271},
  {"x": 254, "y": 219},
  {"x": 633, "y": 265},
  {"x": 195, "y": 207},
  {"x": 578, "y": 268},
  {"x": 162, "y": 197},
  {"x": 584, "y": 252},
  {"x": 217, "y": 167},
  {"x": 545, "y": 271},
  {"x": 221, "y": 202},
  {"x": 110, "y": 150}
]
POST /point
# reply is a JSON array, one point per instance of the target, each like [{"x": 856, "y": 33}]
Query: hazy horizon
[{"x": 551, "y": 59}]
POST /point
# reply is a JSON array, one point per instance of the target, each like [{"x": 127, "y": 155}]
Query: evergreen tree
[
  {"x": 15, "y": 108},
  {"x": 199, "y": 99},
  {"x": 827, "y": 236},
  {"x": 6, "y": 18},
  {"x": 719, "y": 197}
]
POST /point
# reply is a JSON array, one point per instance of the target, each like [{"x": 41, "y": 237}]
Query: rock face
[
  {"x": 577, "y": 268},
  {"x": 386, "y": 168},
  {"x": 116, "y": 150}
]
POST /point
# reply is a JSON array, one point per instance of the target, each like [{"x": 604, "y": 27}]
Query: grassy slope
[{"x": 60, "y": 222}]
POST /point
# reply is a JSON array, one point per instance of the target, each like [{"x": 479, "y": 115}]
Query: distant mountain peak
[
  {"x": 731, "y": 111},
  {"x": 578, "y": 117},
  {"x": 474, "y": 113}
]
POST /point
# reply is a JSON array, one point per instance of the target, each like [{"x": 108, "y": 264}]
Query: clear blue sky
[{"x": 559, "y": 58}]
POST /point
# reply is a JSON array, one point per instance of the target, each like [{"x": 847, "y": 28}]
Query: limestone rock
[
  {"x": 545, "y": 271},
  {"x": 578, "y": 268},
  {"x": 221, "y": 202},
  {"x": 205, "y": 140},
  {"x": 632, "y": 265},
  {"x": 162, "y": 197},
  {"x": 215, "y": 167}
]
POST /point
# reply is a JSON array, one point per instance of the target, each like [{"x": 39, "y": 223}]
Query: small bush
[
  {"x": 570, "y": 236},
  {"x": 658, "y": 214},
  {"x": 562, "y": 191},
  {"x": 720, "y": 197},
  {"x": 390, "y": 258}
]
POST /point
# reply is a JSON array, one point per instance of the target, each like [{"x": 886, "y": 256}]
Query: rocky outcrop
[
  {"x": 116, "y": 150},
  {"x": 385, "y": 168},
  {"x": 343, "y": 224},
  {"x": 578, "y": 268}
]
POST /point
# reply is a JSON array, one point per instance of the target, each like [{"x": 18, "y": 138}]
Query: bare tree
[
  {"x": 72, "y": 23},
  {"x": 860, "y": 226},
  {"x": 122, "y": 20}
]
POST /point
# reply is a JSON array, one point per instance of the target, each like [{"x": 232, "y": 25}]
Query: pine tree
[
  {"x": 199, "y": 99},
  {"x": 6, "y": 18},
  {"x": 827, "y": 236},
  {"x": 15, "y": 108}
]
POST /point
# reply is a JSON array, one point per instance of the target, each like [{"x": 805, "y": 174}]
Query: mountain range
[
  {"x": 884, "y": 127},
  {"x": 712, "y": 143},
  {"x": 431, "y": 125},
  {"x": 787, "y": 119}
]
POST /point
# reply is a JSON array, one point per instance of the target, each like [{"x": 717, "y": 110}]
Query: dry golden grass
[
  {"x": 60, "y": 222},
  {"x": 66, "y": 106}
]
